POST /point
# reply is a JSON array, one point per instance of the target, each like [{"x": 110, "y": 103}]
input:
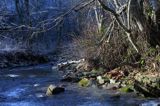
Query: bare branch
[
  {"x": 115, "y": 15},
  {"x": 108, "y": 32}
]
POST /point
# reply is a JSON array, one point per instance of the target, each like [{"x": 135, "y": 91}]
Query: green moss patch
[
  {"x": 126, "y": 89},
  {"x": 84, "y": 82}
]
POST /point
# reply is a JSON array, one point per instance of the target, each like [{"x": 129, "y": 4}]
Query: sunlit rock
[
  {"x": 100, "y": 80},
  {"x": 53, "y": 90},
  {"x": 111, "y": 86},
  {"x": 69, "y": 65},
  {"x": 112, "y": 81}
]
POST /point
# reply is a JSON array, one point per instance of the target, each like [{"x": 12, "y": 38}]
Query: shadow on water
[{"x": 26, "y": 86}]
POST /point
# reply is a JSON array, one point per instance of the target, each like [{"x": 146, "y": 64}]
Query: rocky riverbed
[{"x": 27, "y": 86}]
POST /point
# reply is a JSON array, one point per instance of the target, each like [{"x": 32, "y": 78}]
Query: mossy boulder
[
  {"x": 126, "y": 89},
  {"x": 84, "y": 82}
]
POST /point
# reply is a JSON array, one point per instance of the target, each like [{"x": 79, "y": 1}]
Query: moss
[
  {"x": 126, "y": 89},
  {"x": 84, "y": 82},
  {"x": 142, "y": 63}
]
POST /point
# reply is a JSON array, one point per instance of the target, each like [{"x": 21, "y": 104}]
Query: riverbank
[
  {"x": 125, "y": 79},
  {"x": 21, "y": 58}
]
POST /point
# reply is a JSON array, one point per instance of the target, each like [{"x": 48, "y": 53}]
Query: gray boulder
[{"x": 53, "y": 90}]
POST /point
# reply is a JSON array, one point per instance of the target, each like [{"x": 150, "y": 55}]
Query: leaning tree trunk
[
  {"x": 146, "y": 16},
  {"x": 139, "y": 20},
  {"x": 143, "y": 15}
]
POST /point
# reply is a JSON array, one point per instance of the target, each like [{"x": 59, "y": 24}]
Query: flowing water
[{"x": 26, "y": 86}]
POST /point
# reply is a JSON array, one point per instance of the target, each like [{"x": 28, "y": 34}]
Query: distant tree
[{"x": 22, "y": 8}]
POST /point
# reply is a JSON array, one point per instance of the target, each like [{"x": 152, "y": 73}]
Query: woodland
[{"x": 113, "y": 43}]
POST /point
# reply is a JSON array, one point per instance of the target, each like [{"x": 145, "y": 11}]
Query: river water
[{"x": 26, "y": 86}]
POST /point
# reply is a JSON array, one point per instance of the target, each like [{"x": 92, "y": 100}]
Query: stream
[{"x": 26, "y": 86}]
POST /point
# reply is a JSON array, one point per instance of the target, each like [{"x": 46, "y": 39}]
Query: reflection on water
[
  {"x": 12, "y": 75},
  {"x": 17, "y": 92},
  {"x": 151, "y": 103}
]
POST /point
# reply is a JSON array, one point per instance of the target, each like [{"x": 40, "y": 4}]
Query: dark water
[{"x": 26, "y": 86}]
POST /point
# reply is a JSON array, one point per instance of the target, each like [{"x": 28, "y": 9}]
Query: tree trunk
[
  {"x": 27, "y": 12},
  {"x": 18, "y": 9}
]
